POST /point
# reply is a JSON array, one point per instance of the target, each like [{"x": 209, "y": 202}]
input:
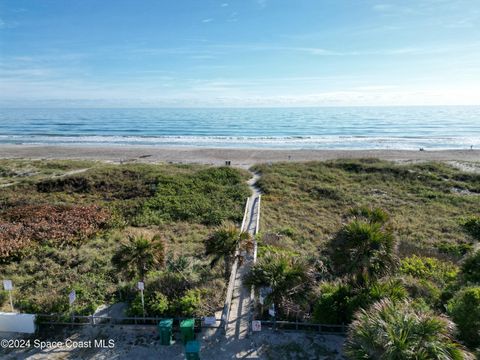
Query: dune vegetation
[
  {"x": 70, "y": 225},
  {"x": 352, "y": 241},
  {"x": 347, "y": 242}
]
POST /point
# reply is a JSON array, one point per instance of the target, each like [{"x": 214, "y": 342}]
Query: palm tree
[
  {"x": 140, "y": 254},
  {"x": 402, "y": 331},
  {"x": 223, "y": 244},
  {"x": 289, "y": 278},
  {"x": 364, "y": 251}
]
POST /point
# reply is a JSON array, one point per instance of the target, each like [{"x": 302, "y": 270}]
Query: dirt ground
[{"x": 142, "y": 342}]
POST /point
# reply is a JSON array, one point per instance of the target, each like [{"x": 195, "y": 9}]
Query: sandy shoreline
[{"x": 216, "y": 156}]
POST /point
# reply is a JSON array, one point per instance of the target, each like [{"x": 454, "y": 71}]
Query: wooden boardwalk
[{"x": 239, "y": 316}]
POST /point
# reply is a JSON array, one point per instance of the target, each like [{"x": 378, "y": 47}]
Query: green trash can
[
  {"x": 187, "y": 328},
  {"x": 165, "y": 330},
  {"x": 192, "y": 350}
]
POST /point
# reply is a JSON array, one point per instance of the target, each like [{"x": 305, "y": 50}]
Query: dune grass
[{"x": 305, "y": 204}]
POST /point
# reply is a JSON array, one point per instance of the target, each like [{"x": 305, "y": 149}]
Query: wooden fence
[
  {"x": 81, "y": 320},
  {"x": 302, "y": 326}
]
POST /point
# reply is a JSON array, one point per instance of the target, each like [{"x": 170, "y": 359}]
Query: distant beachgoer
[{"x": 471, "y": 147}]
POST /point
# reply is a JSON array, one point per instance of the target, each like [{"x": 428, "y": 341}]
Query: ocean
[{"x": 276, "y": 128}]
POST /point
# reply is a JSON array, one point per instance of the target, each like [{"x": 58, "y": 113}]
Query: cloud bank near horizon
[{"x": 250, "y": 53}]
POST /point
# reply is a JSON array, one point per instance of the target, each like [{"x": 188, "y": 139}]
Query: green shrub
[
  {"x": 287, "y": 231},
  {"x": 3, "y": 297},
  {"x": 188, "y": 304},
  {"x": 464, "y": 309},
  {"x": 135, "y": 307},
  {"x": 422, "y": 289},
  {"x": 456, "y": 249},
  {"x": 428, "y": 268},
  {"x": 470, "y": 268},
  {"x": 322, "y": 192},
  {"x": 333, "y": 304},
  {"x": 43, "y": 304},
  {"x": 90, "y": 292},
  {"x": 338, "y": 301},
  {"x": 157, "y": 304},
  {"x": 472, "y": 226},
  {"x": 171, "y": 284}
]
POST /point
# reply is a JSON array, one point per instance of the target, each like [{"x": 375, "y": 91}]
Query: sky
[{"x": 204, "y": 53}]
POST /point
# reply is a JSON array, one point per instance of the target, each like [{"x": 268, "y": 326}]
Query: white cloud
[
  {"x": 232, "y": 17},
  {"x": 262, "y": 3},
  {"x": 205, "y": 21},
  {"x": 224, "y": 5},
  {"x": 382, "y": 7},
  {"x": 390, "y": 9},
  {"x": 147, "y": 89},
  {"x": 7, "y": 24}
]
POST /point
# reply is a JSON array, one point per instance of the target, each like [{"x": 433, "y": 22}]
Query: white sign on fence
[
  {"x": 271, "y": 310},
  {"x": 140, "y": 286},
  {"x": 256, "y": 325},
  {"x": 71, "y": 297},
  {"x": 7, "y": 285}
]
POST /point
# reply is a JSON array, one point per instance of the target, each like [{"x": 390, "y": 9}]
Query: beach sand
[{"x": 216, "y": 156}]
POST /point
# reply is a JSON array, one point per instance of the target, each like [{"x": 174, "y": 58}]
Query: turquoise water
[{"x": 307, "y": 128}]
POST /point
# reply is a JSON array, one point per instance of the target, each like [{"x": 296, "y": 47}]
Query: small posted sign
[
  {"x": 271, "y": 310},
  {"x": 140, "y": 286},
  {"x": 256, "y": 325},
  {"x": 72, "y": 297},
  {"x": 210, "y": 320},
  {"x": 7, "y": 285}
]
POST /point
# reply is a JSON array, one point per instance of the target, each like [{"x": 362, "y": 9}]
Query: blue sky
[{"x": 239, "y": 52}]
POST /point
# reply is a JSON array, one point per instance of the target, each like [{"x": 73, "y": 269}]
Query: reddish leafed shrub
[
  {"x": 62, "y": 224},
  {"x": 12, "y": 239}
]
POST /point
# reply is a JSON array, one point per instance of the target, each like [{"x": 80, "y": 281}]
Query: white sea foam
[{"x": 312, "y": 128}]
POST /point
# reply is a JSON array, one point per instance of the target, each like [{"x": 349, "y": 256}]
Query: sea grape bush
[{"x": 428, "y": 268}]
